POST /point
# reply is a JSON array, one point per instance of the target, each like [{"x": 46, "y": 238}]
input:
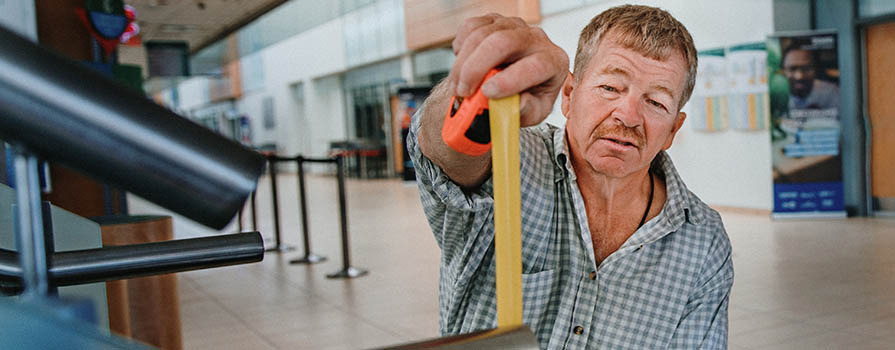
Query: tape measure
[
  {"x": 504, "y": 123},
  {"x": 466, "y": 127},
  {"x": 470, "y": 124}
]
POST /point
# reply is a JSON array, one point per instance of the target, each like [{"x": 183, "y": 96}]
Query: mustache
[{"x": 619, "y": 132}]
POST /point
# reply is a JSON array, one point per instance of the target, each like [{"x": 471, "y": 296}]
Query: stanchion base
[
  {"x": 350, "y": 272},
  {"x": 280, "y": 248},
  {"x": 308, "y": 259}
]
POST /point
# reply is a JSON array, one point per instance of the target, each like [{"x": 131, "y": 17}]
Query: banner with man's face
[{"x": 805, "y": 130}]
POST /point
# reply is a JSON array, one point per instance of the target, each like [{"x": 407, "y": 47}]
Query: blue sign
[
  {"x": 108, "y": 26},
  {"x": 825, "y": 197},
  {"x": 805, "y": 125}
]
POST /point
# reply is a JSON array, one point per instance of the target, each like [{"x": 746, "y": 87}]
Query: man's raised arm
[{"x": 533, "y": 67}]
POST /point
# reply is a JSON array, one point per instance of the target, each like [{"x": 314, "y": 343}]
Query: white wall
[
  {"x": 729, "y": 168},
  {"x": 251, "y": 104},
  {"x": 192, "y": 93},
  {"x": 312, "y": 54},
  {"x": 19, "y": 16}
]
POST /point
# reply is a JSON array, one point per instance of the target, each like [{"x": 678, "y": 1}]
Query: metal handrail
[
  {"x": 138, "y": 260},
  {"x": 61, "y": 111}
]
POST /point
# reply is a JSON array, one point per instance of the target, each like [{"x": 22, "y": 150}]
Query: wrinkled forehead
[
  {"x": 669, "y": 66},
  {"x": 654, "y": 49}
]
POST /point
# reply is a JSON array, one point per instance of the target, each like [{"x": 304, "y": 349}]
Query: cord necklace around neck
[{"x": 650, "y": 202}]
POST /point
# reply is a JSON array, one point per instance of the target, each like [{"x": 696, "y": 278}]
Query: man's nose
[{"x": 627, "y": 111}]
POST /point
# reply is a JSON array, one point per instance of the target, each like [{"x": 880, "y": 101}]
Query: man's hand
[{"x": 533, "y": 66}]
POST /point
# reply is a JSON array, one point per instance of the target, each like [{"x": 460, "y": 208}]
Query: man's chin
[{"x": 610, "y": 165}]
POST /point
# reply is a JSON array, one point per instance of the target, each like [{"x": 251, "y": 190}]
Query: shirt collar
[
  {"x": 561, "y": 154},
  {"x": 681, "y": 205}
]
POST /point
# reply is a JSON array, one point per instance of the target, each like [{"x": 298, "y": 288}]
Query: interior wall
[
  {"x": 326, "y": 111},
  {"x": 19, "y": 17},
  {"x": 314, "y": 53},
  {"x": 727, "y": 168},
  {"x": 251, "y": 105},
  {"x": 792, "y": 15}
]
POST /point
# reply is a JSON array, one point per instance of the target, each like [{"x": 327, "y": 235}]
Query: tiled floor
[{"x": 826, "y": 284}]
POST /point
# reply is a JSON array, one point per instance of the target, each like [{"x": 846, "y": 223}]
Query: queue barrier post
[
  {"x": 347, "y": 270},
  {"x": 308, "y": 258},
  {"x": 278, "y": 246}
]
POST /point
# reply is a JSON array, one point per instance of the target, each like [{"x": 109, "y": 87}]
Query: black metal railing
[{"x": 55, "y": 109}]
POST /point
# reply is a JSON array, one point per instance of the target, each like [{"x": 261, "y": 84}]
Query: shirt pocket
[{"x": 537, "y": 291}]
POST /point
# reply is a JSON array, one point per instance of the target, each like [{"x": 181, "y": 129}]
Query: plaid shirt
[{"x": 667, "y": 286}]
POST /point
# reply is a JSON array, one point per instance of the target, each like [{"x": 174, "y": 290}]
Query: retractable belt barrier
[{"x": 347, "y": 270}]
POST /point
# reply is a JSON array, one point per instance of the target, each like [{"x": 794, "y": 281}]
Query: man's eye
[
  {"x": 608, "y": 88},
  {"x": 658, "y": 105}
]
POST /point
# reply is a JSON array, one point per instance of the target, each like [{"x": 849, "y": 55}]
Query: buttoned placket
[
  {"x": 581, "y": 324},
  {"x": 583, "y": 314}
]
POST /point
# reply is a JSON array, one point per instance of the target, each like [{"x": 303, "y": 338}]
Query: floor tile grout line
[
  {"x": 235, "y": 315},
  {"x": 339, "y": 307}
]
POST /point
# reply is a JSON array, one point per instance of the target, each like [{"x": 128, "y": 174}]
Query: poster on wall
[
  {"x": 748, "y": 99},
  {"x": 709, "y": 101},
  {"x": 806, "y": 160}
]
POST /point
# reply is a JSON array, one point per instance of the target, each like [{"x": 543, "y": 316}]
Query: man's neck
[
  {"x": 610, "y": 196},
  {"x": 616, "y": 206}
]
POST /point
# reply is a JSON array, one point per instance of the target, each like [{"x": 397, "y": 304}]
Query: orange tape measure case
[{"x": 466, "y": 127}]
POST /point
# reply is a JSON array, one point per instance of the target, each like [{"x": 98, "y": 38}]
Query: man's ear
[
  {"x": 567, "y": 86},
  {"x": 679, "y": 121}
]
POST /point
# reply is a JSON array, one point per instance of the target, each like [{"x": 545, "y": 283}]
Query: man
[
  {"x": 806, "y": 91},
  {"x": 617, "y": 253}
]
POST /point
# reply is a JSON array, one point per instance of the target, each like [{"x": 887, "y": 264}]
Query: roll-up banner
[{"x": 803, "y": 80}]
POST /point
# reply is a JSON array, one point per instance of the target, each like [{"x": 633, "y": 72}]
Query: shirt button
[
  {"x": 578, "y": 330},
  {"x": 592, "y": 275}
]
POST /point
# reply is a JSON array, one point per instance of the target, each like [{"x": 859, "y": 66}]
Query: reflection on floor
[{"x": 799, "y": 284}]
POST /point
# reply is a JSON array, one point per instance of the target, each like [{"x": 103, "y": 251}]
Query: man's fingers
[
  {"x": 470, "y": 46},
  {"x": 537, "y": 78},
  {"x": 497, "y": 48},
  {"x": 528, "y": 72},
  {"x": 470, "y": 25}
]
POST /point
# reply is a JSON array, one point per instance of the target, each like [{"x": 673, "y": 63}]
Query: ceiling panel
[{"x": 198, "y": 22}]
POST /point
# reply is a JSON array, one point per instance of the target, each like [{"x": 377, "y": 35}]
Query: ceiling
[{"x": 198, "y": 22}]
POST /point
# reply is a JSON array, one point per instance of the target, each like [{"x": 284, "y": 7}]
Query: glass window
[
  {"x": 431, "y": 66},
  {"x": 871, "y": 8}
]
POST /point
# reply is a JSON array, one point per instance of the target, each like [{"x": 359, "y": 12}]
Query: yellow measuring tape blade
[{"x": 504, "y": 120}]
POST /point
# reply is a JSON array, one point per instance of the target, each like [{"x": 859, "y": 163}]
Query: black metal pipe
[
  {"x": 276, "y": 201},
  {"x": 67, "y": 113},
  {"x": 302, "y": 158},
  {"x": 304, "y": 206},
  {"x": 49, "y": 245},
  {"x": 254, "y": 211},
  {"x": 343, "y": 213},
  {"x": 137, "y": 260},
  {"x": 239, "y": 219}
]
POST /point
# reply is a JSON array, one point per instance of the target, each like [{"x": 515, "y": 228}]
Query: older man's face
[
  {"x": 623, "y": 109},
  {"x": 798, "y": 67}
]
